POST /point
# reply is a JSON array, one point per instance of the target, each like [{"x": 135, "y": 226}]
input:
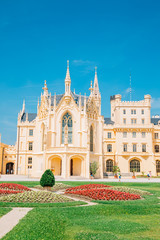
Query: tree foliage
[
  {"x": 47, "y": 179},
  {"x": 93, "y": 168}
]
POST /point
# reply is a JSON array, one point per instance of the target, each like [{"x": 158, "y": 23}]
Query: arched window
[
  {"x": 67, "y": 120},
  {"x": 91, "y": 138},
  {"x": 135, "y": 165},
  {"x": 157, "y": 166},
  {"x": 109, "y": 147},
  {"x": 109, "y": 166}
]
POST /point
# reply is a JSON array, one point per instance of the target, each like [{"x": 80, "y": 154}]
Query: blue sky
[{"x": 37, "y": 37}]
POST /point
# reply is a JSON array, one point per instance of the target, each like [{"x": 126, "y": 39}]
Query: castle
[{"x": 68, "y": 133}]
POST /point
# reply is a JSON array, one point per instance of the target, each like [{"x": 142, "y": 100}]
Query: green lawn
[
  {"x": 108, "y": 220},
  {"x": 3, "y": 211}
]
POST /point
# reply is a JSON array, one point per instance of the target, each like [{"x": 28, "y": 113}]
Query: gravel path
[{"x": 11, "y": 219}]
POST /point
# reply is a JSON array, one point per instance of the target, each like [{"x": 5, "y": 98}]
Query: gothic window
[
  {"x": 157, "y": 166},
  {"x": 109, "y": 166},
  {"x": 134, "y": 165},
  {"x": 67, "y": 120},
  {"x": 91, "y": 139}
]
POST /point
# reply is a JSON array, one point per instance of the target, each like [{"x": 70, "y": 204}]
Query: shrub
[
  {"x": 93, "y": 168},
  {"x": 47, "y": 179}
]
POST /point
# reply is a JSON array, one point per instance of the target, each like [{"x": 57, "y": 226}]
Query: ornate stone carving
[
  {"x": 92, "y": 110},
  {"x": 43, "y": 109}
]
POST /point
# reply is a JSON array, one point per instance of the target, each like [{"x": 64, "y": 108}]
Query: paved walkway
[
  {"x": 8, "y": 178},
  {"x": 11, "y": 219}
]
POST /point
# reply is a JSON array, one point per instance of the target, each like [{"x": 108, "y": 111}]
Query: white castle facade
[{"x": 68, "y": 133}]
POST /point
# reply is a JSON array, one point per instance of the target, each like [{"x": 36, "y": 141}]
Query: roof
[
  {"x": 108, "y": 121},
  {"x": 155, "y": 121},
  {"x": 76, "y": 98},
  {"x": 31, "y": 117}
]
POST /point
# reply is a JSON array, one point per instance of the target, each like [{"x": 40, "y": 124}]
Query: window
[
  {"x": 134, "y": 166},
  {"x": 30, "y": 160},
  {"x": 29, "y": 166},
  {"x": 133, "y": 121},
  {"x": 142, "y": 111},
  {"x": 124, "y": 111},
  {"x": 91, "y": 138},
  {"x": 134, "y": 134},
  {"x": 134, "y": 147},
  {"x": 124, "y": 120},
  {"x": 143, "y": 147},
  {"x": 142, "y": 121},
  {"x": 109, "y": 148},
  {"x": 30, "y": 148},
  {"x": 133, "y": 111},
  {"x": 109, "y": 166},
  {"x": 156, "y": 135},
  {"x": 157, "y": 166},
  {"x": 67, "y": 121},
  {"x": 30, "y": 132},
  {"x": 156, "y": 147},
  {"x": 109, "y": 135},
  {"x": 125, "y": 147},
  {"x": 143, "y": 134},
  {"x": 124, "y": 134}
]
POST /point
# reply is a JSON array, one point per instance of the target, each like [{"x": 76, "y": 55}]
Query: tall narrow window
[
  {"x": 134, "y": 147},
  {"x": 30, "y": 146},
  {"x": 157, "y": 166},
  {"x": 156, "y": 147},
  {"x": 109, "y": 135},
  {"x": 124, "y": 147},
  {"x": 67, "y": 120},
  {"x": 143, "y": 147},
  {"x": 109, "y": 147},
  {"x": 91, "y": 139},
  {"x": 109, "y": 166}
]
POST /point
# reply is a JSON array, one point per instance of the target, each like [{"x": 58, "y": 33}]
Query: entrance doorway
[
  {"x": 9, "y": 168},
  {"x": 71, "y": 167},
  {"x": 75, "y": 166},
  {"x": 56, "y": 166}
]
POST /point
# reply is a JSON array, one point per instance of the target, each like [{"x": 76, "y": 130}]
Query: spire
[
  {"x": 23, "y": 108},
  {"x": 45, "y": 88},
  {"x": 96, "y": 87},
  {"x": 67, "y": 80},
  {"x": 91, "y": 89}
]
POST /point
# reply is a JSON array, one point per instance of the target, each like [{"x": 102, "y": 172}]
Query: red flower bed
[
  {"x": 3, "y": 192},
  {"x": 11, "y": 188},
  {"x": 87, "y": 186},
  {"x": 101, "y": 193}
]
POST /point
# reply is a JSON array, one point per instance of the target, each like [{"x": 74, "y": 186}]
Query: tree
[
  {"x": 93, "y": 168},
  {"x": 47, "y": 179},
  {"x": 116, "y": 169}
]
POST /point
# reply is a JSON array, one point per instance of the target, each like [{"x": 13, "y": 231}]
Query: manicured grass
[
  {"x": 41, "y": 205},
  {"x": 3, "y": 211},
  {"x": 123, "y": 220},
  {"x": 25, "y": 183}
]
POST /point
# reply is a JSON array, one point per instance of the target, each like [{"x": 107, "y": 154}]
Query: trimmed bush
[{"x": 47, "y": 179}]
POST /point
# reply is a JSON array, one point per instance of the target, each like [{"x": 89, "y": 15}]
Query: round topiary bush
[{"x": 47, "y": 179}]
